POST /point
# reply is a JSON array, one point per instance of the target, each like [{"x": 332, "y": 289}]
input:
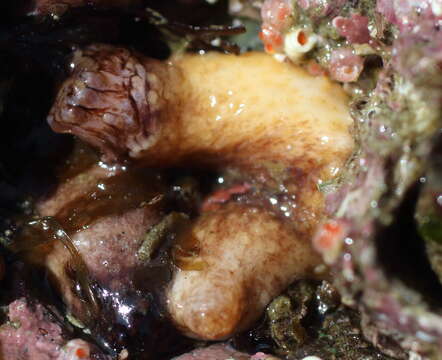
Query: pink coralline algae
[
  {"x": 345, "y": 66},
  {"x": 409, "y": 14},
  {"x": 322, "y": 7},
  {"x": 418, "y": 46},
  {"x": 354, "y": 28}
]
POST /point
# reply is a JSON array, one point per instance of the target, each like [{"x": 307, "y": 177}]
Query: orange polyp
[
  {"x": 271, "y": 38},
  {"x": 349, "y": 70},
  {"x": 332, "y": 227},
  {"x": 81, "y": 353},
  {"x": 329, "y": 235},
  {"x": 269, "y": 48},
  {"x": 302, "y": 38}
]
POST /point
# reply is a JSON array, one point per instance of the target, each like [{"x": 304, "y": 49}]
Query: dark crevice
[{"x": 401, "y": 252}]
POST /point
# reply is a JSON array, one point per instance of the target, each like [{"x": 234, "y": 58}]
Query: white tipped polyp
[{"x": 297, "y": 42}]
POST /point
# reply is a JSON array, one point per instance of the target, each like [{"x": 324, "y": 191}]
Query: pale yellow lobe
[{"x": 251, "y": 109}]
